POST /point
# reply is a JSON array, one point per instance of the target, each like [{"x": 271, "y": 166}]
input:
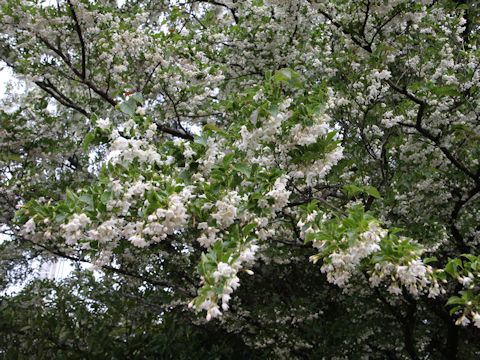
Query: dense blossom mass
[{"x": 302, "y": 175}]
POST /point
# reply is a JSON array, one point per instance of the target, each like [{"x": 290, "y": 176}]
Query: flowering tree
[{"x": 302, "y": 174}]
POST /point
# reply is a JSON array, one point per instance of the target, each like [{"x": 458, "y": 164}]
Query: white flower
[
  {"x": 279, "y": 193},
  {"x": 463, "y": 320},
  {"x": 119, "y": 144},
  {"x": 29, "y": 226},
  {"x": 213, "y": 312},
  {"x": 73, "y": 230},
  {"x": 138, "y": 241},
  {"x": 342, "y": 264},
  {"x": 394, "y": 289},
  {"x": 382, "y": 75},
  {"x": 248, "y": 255},
  {"x": 209, "y": 236},
  {"x": 476, "y": 319},
  {"x": 103, "y": 123},
  {"x": 465, "y": 280},
  {"x": 233, "y": 283},
  {"x": 223, "y": 270},
  {"x": 226, "y": 210}
]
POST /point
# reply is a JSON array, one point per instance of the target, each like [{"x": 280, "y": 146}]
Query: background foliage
[{"x": 241, "y": 179}]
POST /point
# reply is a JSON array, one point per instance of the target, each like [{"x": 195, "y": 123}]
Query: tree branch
[
  {"x": 110, "y": 268},
  {"x": 78, "y": 29},
  {"x": 49, "y": 88},
  {"x": 457, "y": 163},
  {"x": 422, "y": 103}
]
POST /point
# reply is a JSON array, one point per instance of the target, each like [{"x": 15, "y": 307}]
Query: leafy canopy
[{"x": 282, "y": 178}]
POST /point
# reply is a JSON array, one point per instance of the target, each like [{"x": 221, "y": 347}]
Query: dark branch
[
  {"x": 365, "y": 20},
  {"x": 78, "y": 29},
  {"x": 175, "y": 132},
  {"x": 110, "y": 268},
  {"x": 49, "y": 88},
  {"x": 232, "y": 11}
]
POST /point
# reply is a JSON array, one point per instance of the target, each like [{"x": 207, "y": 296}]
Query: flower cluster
[
  {"x": 279, "y": 193},
  {"x": 167, "y": 221},
  {"x": 414, "y": 275},
  {"x": 341, "y": 265},
  {"x": 225, "y": 277},
  {"x": 226, "y": 209},
  {"x": 74, "y": 229}
]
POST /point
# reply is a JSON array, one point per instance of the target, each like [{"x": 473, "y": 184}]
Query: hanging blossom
[
  {"x": 341, "y": 265},
  {"x": 279, "y": 193},
  {"x": 107, "y": 231},
  {"x": 226, "y": 209},
  {"x": 73, "y": 230},
  {"x": 463, "y": 271},
  {"x": 464, "y": 320},
  {"x": 168, "y": 221},
  {"x": 29, "y": 227},
  {"x": 125, "y": 151},
  {"x": 414, "y": 275},
  {"x": 309, "y": 134},
  {"x": 271, "y": 141},
  {"x": 404, "y": 269},
  {"x": 320, "y": 168},
  {"x": 208, "y": 236},
  {"x": 225, "y": 277}
]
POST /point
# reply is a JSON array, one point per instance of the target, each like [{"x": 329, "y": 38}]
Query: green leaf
[
  {"x": 447, "y": 90},
  {"x": 214, "y": 129},
  {"x": 128, "y": 107},
  {"x": 455, "y": 309},
  {"x": 201, "y": 140},
  {"x": 243, "y": 168},
  {"x": 248, "y": 228},
  {"x": 87, "y": 199},
  {"x": 286, "y": 75},
  {"x": 88, "y": 139},
  {"x": 71, "y": 195},
  {"x": 452, "y": 267},
  {"x": 455, "y": 300},
  {"x": 372, "y": 191},
  {"x": 430, "y": 260},
  {"x": 282, "y": 75},
  {"x": 105, "y": 197},
  {"x": 7, "y": 156},
  {"x": 138, "y": 97},
  {"x": 351, "y": 190},
  {"x": 227, "y": 159}
]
